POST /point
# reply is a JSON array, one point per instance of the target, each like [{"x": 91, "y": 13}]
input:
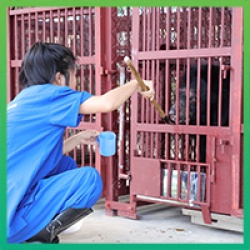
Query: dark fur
[{"x": 213, "y": 102}]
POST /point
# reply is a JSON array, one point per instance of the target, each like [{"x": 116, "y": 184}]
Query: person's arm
[
  {"x": 114, "y": 98},
  {"x": 87, "y": 137}
]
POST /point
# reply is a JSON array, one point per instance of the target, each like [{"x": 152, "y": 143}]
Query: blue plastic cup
[{"x": 107, "y": 143}]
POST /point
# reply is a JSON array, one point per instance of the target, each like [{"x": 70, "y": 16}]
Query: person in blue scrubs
[{"x": 47, "y": 192}]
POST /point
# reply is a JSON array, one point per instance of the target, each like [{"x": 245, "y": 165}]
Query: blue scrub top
[{"x": 36, "y": 121}]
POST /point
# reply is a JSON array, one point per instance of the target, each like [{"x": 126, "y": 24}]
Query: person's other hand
[
  {"x": 88, "y": 137},
  {"x": 150, "y": 93}
]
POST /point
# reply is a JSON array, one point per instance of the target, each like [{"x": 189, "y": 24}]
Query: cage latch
[
  {"x": 224, "y": 143},
  {"x": 104, "y": 71},
  {"x": 224, "y": 69}
]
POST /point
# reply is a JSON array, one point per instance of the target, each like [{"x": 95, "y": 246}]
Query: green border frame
[{"x": 3, "y": 100}]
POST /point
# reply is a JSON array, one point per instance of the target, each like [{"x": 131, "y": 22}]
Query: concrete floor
[{"x": 156, "y": 224}]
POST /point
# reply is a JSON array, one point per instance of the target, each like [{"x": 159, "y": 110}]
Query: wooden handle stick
[{"x": 145, "y": 88}]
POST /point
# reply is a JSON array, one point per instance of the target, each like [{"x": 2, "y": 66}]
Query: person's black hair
[{"x": 42, "y": 61}]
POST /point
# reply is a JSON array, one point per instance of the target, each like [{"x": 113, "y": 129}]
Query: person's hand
[
  {"x": 149, "y": 94},
  {"x": 88, "y": 137}
]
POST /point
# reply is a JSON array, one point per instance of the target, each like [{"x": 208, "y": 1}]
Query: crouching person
[{"x": 46, "y": 191}]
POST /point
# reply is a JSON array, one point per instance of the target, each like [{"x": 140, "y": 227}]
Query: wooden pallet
[{"x": 218, "y": 220}]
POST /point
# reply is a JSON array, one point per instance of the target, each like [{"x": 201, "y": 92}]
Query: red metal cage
[{"x": 155, "y": 162}]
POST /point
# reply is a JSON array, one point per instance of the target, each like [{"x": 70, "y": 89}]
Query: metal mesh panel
[{"x": 121, "y": 22}]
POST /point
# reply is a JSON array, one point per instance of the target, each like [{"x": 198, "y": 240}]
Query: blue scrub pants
[{"x": 66, "y": 187}]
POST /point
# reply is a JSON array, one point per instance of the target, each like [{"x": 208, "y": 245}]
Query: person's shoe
[
  {"x": 31, "y": 241},
  {"x": 60, "y": 223}
]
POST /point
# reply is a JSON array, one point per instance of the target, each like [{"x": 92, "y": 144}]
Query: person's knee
[
  {"x": 95, "y": 176},
  {"x": 94, "y": 180}
]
